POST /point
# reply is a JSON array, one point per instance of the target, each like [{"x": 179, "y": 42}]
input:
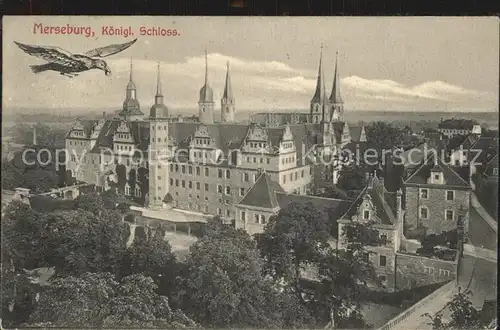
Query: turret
[
  {"x": 335, "y": 100},
  {"x": 206, "y": 101},
  {"x": 227, "y": 110}
]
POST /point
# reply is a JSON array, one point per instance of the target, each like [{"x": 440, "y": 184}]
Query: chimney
[{"x": 399, "y": 204}]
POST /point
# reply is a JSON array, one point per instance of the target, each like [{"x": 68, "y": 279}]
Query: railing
[{"x": 410, "y": 311}]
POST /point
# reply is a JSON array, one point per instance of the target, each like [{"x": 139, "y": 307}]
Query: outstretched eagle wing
[
  {"x": 109, "y": 50},
  {"x": 51, "y": 54}
]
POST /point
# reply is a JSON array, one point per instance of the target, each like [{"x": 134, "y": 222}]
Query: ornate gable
[
  {"x": 287, "y": 134},
  {"x": 78, "y": 125},
  {"x": 366, "y": 210},
  {"x": 257, "y": 133},
  {"x": 96, "y": 129},
  {"x": 295, "y": 118},
  {"x": 123, "y": 133},
  {"x": 78, "y": 130}
]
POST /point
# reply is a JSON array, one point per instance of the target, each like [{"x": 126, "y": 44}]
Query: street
[{"x": 480, "y": 233}]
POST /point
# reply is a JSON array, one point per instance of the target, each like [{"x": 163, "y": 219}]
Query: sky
[{"x": 391, "y": 64}]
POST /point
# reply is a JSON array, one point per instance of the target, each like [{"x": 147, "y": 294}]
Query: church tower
[
  {"x": 227, "y": 110},
  {"x": 318, "y": 100},
  {"x": 158, "y": 150},
  {"x": 131, "y": 107},
  {"x": 336, "y": 103},
  {"x": 206, "y": 102}
]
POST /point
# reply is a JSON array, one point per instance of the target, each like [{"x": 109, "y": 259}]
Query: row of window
[
  {"x": 431, "y": 270},
  {"x": 165, "y": 127},
  {"x": 220, "y": 188},
  {"x": 288, "y": 160},
  {"x": 258, "y": 218},
  {"x": 202, "y": 141},
  {"x": 424, "y": 194},
  {"x": 261, "y": 160},
  {"x": 77, "y": 143},
  {"x": 220, "y": 173},
  {"x": 292, "y": 176},
  {"x": 287, "y": 145},
  {"x": 159, "y": 139},
  {"x": 258, "y": 144},
  {"x": 124, "y": 148},
  {"x": 449, "y": 215},
  {"x": 122, "y": 135}
]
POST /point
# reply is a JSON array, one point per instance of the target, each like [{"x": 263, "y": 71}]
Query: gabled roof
[
  {"x": 422, "y": 174},
  {"x": 381, "y": 199},
  {"x": 262, "y": 193}
]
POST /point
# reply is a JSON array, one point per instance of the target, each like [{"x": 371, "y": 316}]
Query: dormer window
[{"x": 366, "y": 215}]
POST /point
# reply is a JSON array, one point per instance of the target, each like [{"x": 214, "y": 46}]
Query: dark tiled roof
[
  {"x": 338, "y": 128},
  {"x": 355, "y": 132},
  {"x": 262, "y": 193},
  {"x": 329, "y": 208},
  {"x": 421, "y": 175},
  {"x": 381, "y": 199},
  {"x": 485, "y": 142}
]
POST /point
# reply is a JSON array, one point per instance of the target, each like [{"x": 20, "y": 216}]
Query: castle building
[{"x": 205, "y": 166}]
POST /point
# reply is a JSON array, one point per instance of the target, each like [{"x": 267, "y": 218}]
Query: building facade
[{"x": 204, "y": 166}]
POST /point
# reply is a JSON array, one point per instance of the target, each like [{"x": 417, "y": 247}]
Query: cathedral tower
[
  {"x": 131, "y": 108},
  {"x": 319, "y": 98},
  {"x": 158, "y": 149},
  {"x": 227, "y": 110},
  {"x": 206, "y": 102},
  {"x": 335, "y": 101}
]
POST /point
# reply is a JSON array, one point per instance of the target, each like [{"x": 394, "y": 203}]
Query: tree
[
  {"x": 132, "y": 181},
  {"x": 22, "y": 236},
  {"x": 352, "y": 180},
  {"x": 80, "y": 241},
  {"x": 294, "y": 238},
  {"x": 463, "y": 314},
  {"x": 152, "y": 257},
  {"x": 383, "y": 135},
  {"x": 121, "y": 172},
  {"x": 223, "y": 285},
  {"x": 345, "y": 275},
  {"x": 143, "y": 182},
  {"x": 97, "y": 300}
]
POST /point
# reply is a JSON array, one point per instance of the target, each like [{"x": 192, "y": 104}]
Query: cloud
[
  {"x": 256, "y": 85},
  {"x": 392, "y": 90}
]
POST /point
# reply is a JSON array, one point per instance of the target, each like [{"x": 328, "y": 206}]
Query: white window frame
[
  {"x": 369, "y": 213},
  {"x": 446, "y": 215},
  {"x": 446, "y": 196},
  {"x": 444, "y": 272}
]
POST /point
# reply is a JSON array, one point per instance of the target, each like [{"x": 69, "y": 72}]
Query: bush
[{"x": 47, "y": 204}]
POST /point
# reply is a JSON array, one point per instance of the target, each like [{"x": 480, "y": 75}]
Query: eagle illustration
[{"x": 68, "y": 64}]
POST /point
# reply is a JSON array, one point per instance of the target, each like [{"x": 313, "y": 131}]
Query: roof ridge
[
  {"x": 420, "y": 167},
  {"x": 441, "y": 163}
]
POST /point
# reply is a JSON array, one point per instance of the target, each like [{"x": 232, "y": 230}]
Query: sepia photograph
[{"x": 249, "y": 172}]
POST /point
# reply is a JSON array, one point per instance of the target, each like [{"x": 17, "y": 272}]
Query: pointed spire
[
  {"x": 320, "y": 83},
  {"x": 206, "y": 66},
  {"x": 131, "y": 69},
  {"x": 335, "y": 95},
  {"x": 228, "y": 91},
  {"x": 131, "y": 84},
  {"x": 158, "y": 82}
]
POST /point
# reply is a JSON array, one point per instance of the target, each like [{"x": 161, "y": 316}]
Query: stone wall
[
  {"x": 415, "y": 271},
  {"x": 436, "y": 205}
]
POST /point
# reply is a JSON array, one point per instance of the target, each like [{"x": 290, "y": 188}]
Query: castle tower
[
  {"x": 319, "y": 98},
  {"x": 335, "y": 101},
  {"x": 131, "y": 107},
  {"x": 227, "y": 110},
  {"x": 158, "y": 149},
  {"x": 206, "y": 102}
]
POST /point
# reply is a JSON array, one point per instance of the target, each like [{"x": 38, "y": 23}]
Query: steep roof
[
  {"x": 329, "y": 208},
  {"x": 262, "y": 193},
  {"x": 355, "y": 132},
  {"x": 335, "y": 95},
  {"x": 381, "y": 199},
  {"x": 228, "y": 91},
  {"x": 422, "y": 174}
]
